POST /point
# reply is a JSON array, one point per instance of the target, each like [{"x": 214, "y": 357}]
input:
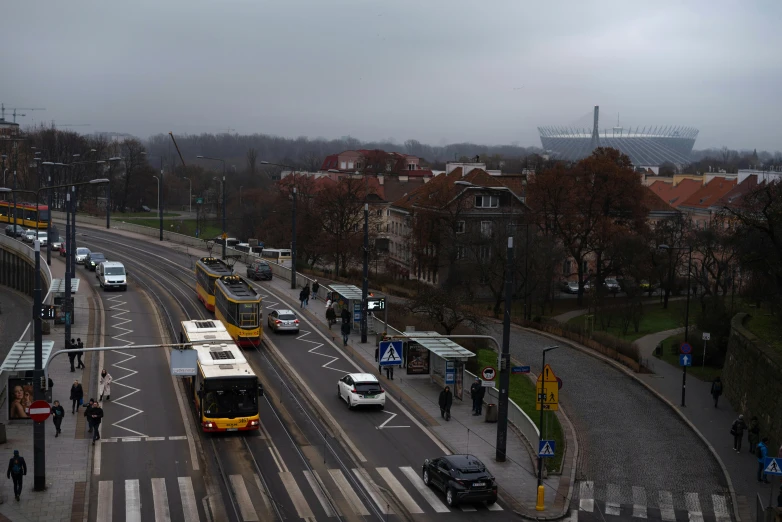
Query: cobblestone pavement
[{"x": 627, "y": 436}]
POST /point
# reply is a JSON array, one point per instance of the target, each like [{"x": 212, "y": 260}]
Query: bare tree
[
  {"x": 446, "y": 308},
  {"x": 252, "y": 158}
]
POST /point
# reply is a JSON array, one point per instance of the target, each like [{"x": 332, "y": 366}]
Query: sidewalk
[
  {"x": 464, "y": 433},
  {"x": 713, "y": 423},
  {"x": 67, "y": 456}
]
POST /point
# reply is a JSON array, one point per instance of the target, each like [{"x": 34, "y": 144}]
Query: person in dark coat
[
  {"x": 71, "y": 355},
  {"x": 97, "y": 416},
  {"x": 77, "y": 394},
  {"x": 331, "y": 316},
  {"x": 477, "y": 391},
  {"x": 302, "y": 298},
  {"x": 306, "y": 291},
  {"x": 315, "y": 288},
  {"x": 88, "y": 414},
  {"x": 17, "y": 468},
  {"x": 446, "y": 399},
  {"x": 716, "y": 390},
  {"x": 58, "y": 412},
  {"x": 737, "y": 430},
  {"x": 345, "y": 333},
  {"x": 345, "y": 315},
  {"x": 753, "y": 434},
  {"x": 79, "y": 355}
]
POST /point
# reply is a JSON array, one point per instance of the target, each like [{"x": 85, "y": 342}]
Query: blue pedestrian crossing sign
[
  {"x": 772, "y": 466},
  {"x": 390, "y": 353},
  {"x": 546, "y": 448},
  {"x": 685, "y": 360}
]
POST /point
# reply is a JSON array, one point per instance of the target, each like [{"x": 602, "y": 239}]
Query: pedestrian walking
[
  {"x": 345, "y": 315},
  {"x": 390, "y": 372},
  {"x": 762, "y": 453},
  {"x": 58, "y": 412},
  {"x": 71, "y": 355},
  {"x": 17, "y": 468},
  {"x": 716, "y": 389},
  {"x": 753, "y": 434},
  {"x": 79, "y": 354},
  {"x": 446, "y": 399},
  {"x": 104, "y": 385},
  {"x": 88, "y": 414},
  {"x": 302, "y": 298},
  {"x": 97, "y": 415},
  {"x": 737, "y": 430},
  {"x": 331, "y": 316},
  {"x": 315, "y": 288},
  {"x": 345, "y": 333},
  {"x": 307, "y": 294},
  {"x": 477, "y": 391},
  {"x": 77, "y": 394}
]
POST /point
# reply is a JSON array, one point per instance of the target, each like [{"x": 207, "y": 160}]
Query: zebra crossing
[
  {"x": 177, "y": 501},
  {"x": 637, "y": 502}
]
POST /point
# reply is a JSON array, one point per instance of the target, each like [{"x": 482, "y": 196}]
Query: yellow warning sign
[
  {"x": 547, "y": 390},
  {"x": 225, "y": 235}
]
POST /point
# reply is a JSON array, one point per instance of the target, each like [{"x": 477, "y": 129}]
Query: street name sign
[{"x": 520, "y": 369}]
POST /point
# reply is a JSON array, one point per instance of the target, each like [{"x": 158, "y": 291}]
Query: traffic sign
[
  {"x": 390, "y": 353},
  {"x": 685, "y": 360},
  {"x": 547, "y": 390},
  {"x": 772, "y": 466},
  {"x": 685, "y": 348},
  {"x": 199, "y": 201},
  {"x": 520, "y": 369},
  {"x": 488, "y": 373},
  {"x": 546, "y": 448},
  {"x": 706, "y": 336},
  {"x": 40, "y": 411},
  {"x": 225, "y": 235},
  {"x": 559, "y": 383}
]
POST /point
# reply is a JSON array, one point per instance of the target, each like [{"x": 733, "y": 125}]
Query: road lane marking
[
  {"x": 326, "y": 492},
  {"x": 160, "y": 500},
  {"x": 132, "y": 501},
  {"x": 243, "y": 499},
  {"x": 613, "y": 499},
  {"x": 155, "y": 438},
  {"x": 639, "y": 502},
  {"x": 586, "y": 496},
  {"x": 393, "y": 415},
  {"x": 666, "y": 506},
  {"x": 299, "y": 502},
  {"x": 425, "y": 490},
  {"x": 314, "y": 351},
  {"x": 131, "y": 439},
  {"x": 371, "y": 488},
  {"x": 179, "y": 437},
  {"x": 401, "y": 493},
  {"x": 189, "y": 506},
  {"x": 721, "y": 512},
  {"x": 347, "y": 492},
  {"x": 264, "y": 493},
  {"x": 96, "y": 456},
  {"x": 694, "y": 511},
  {"x": 324, "y": 503},
  {"x": 105, "y": 499}
]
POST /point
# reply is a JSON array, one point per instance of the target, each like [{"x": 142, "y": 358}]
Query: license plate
[
  {"x": 478, "y": 484},
  {"x": 369, "y": 396},
  {"x": 232, "y": 429}
]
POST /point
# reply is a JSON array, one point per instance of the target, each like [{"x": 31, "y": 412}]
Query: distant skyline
[{"x": 441, "y": 71}]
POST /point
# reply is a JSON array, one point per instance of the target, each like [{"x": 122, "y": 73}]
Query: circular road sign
[
  {"x": 685, "y": 348},
  {"x": 40, "y": 411},
  {"x": 559, "y": 383},
  {"x": 488, "y": 373}
]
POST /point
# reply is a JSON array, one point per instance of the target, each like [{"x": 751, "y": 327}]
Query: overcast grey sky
[{"x": 437, "y": 71}]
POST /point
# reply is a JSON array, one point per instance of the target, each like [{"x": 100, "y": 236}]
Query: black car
[
  {"x": 93, "y": 259},
  {"x": 463, "y": 478},
  {"x": 259, "y": 270}
]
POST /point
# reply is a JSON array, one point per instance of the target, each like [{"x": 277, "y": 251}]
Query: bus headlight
[
  {"x": 209, "y": 425},
  {"x": 254, "y": 422}
]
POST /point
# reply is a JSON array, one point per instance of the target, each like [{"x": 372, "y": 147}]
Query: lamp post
[
  {"x": 365, "y": 285},
  {"x": 541, "y": 491},
  {"x": 112, "y": 161},
  {"x": 39, "y": 384},
  {"x": 293, "y": 224},
  {"x": 159, "y": 192},
  {"x": 686, "y": 312},
  {"x": 225, "y": 238},
  {"x": 49, "y": 220},
  {"x": 190, "y": 194}
]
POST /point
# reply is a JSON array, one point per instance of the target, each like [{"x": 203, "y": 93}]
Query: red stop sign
[{"x": 40, "y": 411}]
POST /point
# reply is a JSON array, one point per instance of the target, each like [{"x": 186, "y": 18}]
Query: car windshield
[
  {"x": 287, "y": 317},
  {"x": 82, "y": 251},
  {"x": 95, "y": 258},
  {"x": 230, "y": 397},
  {"x": 115, "y": 270}
]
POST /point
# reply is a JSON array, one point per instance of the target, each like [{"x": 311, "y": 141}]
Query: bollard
[{"x": 540, "y": 506}]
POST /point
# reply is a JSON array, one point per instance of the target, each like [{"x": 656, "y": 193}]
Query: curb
[{"x": 660, "y": 396}]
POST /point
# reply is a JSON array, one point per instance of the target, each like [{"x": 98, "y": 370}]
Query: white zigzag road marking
[{"x": 119, "y": 312}]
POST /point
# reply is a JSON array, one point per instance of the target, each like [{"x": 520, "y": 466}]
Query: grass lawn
[
  {"x": 655, "y": 319},
  {"x": 522, "y": 392},
  {"x": 183, "y": 226},
  {"x": 141, "y": 215},
  {"x": 707, "y": 373},
  {"x": 766, "y": 327}
]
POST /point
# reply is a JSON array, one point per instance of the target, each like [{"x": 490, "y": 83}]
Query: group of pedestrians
[
  {"x": 306, "y": 293},
  {"x": 73, "y": 356},
  {"x": 758, "y": 445}
]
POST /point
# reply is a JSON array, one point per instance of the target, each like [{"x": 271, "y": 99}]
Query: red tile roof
[
  {"x": 710, "y": 193},
  {"x": 675, "y": 195},
  {"x": 735, "y": 196},
  {"x": 654, "y": 203}
]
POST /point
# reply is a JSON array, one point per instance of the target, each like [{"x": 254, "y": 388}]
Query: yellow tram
[
  {"x": 207, "y": 271},
  {"x": 26, "y": 215},
  {"x": 238, "y": 307}
]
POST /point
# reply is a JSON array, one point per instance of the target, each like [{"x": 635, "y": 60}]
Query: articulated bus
[
  {"x": 207, "y": 270},
  {"x": 28, "y": 215},
  {"x": 238, "y": 306},
  {"x": 225, "y": 389},
  {"x": 281, "y": 256}
]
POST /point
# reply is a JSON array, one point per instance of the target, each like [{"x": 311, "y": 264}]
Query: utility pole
[
  {"x": 293, "y": 243},
  {"x": 365, "y": 285},
  {"x": 39, "y": 384},
  {"x": 504, "y": 359}
]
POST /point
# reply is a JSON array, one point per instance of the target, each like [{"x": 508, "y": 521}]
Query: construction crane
[
  {"x": 14, "y": 109},
  {"x": 177, "y": 148}
]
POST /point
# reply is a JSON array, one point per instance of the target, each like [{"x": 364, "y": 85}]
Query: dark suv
[
  {"x": 259, "y": 270},
  {"x": 463, "y": 478}
]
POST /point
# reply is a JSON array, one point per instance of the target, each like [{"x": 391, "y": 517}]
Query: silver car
[
  {"x": 283, "y": 320},
  {"x": 28, "y": 236},
  {"x": 81, "y": 255}
]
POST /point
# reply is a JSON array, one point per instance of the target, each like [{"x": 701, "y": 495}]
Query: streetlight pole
[
  {"x": 540, "y": 506},
  {"x": 225, "y": 238},
  {"x": 293, "y": 243},
  {"x": 159, "y": 193},
  {"x": 72, "y": 251},
  {"x": 112, "y": 161},
  {"x": 502, "y": 401},
  {"x": 49, "y": 220},
  {"x": 158, "y": 206},
  {"x": 686, "y": 322},
  {"x": 365, "y": 285}
]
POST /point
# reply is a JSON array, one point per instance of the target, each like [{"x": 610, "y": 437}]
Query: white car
[
  {"x": 81, "y": 255},
  {"x": 361, "y": 389},
  {"x": 43, "y": 238}
]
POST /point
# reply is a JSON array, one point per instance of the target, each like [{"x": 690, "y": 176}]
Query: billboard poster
[
  {"x": 21, "y": 396},
  {"x": 417, "y": 359}
]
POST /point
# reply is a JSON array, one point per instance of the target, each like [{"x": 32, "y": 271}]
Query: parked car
[
  {"x": 14, "y": 230},
  {"x": 28, "y": 236},
  {"x": 81, "y": 255},
  {"x": 463, "y": 478},
  {"x": 612, "y": 285},
  {"x": 282, "y": 320},
  {"x": 259, "y": 270},
  {"x": 361, "y": 389},
  {"x": 146, "y": 208},
  {"x": 570, "y": 287},
  {"x": 93, "y": 260}
]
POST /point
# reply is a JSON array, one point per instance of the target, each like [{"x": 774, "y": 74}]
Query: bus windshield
[
  {"x": 230, "y": 397},
  {"x": 43, "y": 215}
]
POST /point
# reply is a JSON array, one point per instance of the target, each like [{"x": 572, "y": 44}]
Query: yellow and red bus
[
  {"x": 28, "y": 215},
  {"x": 225, "y": 389},
  {"x": 207, "y": 271},
  {"x": 238, "y": 306}
]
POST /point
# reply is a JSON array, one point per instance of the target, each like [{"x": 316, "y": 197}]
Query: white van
[{"x": 112, "y": 274}]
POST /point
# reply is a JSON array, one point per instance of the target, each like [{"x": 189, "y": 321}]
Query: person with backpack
[
  {"x": 716, "y": 389},
  {"x": 737, "y": 430},
  {"x": 58, "y": 412},
  {"x": 753, "y": 434},
  {"x": 97, "y": 415},
  {"x": 17, "y": 469},
  {"x": 762, "y": 454},
  {"x": 79, "y": 355}
]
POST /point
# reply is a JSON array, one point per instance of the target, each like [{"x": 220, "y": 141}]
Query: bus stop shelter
[
  {"x": 16, "y": 379},
  {"x": 57, "y": 290},
  {"x": 348, "y": 297},
  {"x": 434, "y": 354}
]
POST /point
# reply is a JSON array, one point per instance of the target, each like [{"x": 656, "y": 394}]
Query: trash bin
[{"x": 491, "y": 412}]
